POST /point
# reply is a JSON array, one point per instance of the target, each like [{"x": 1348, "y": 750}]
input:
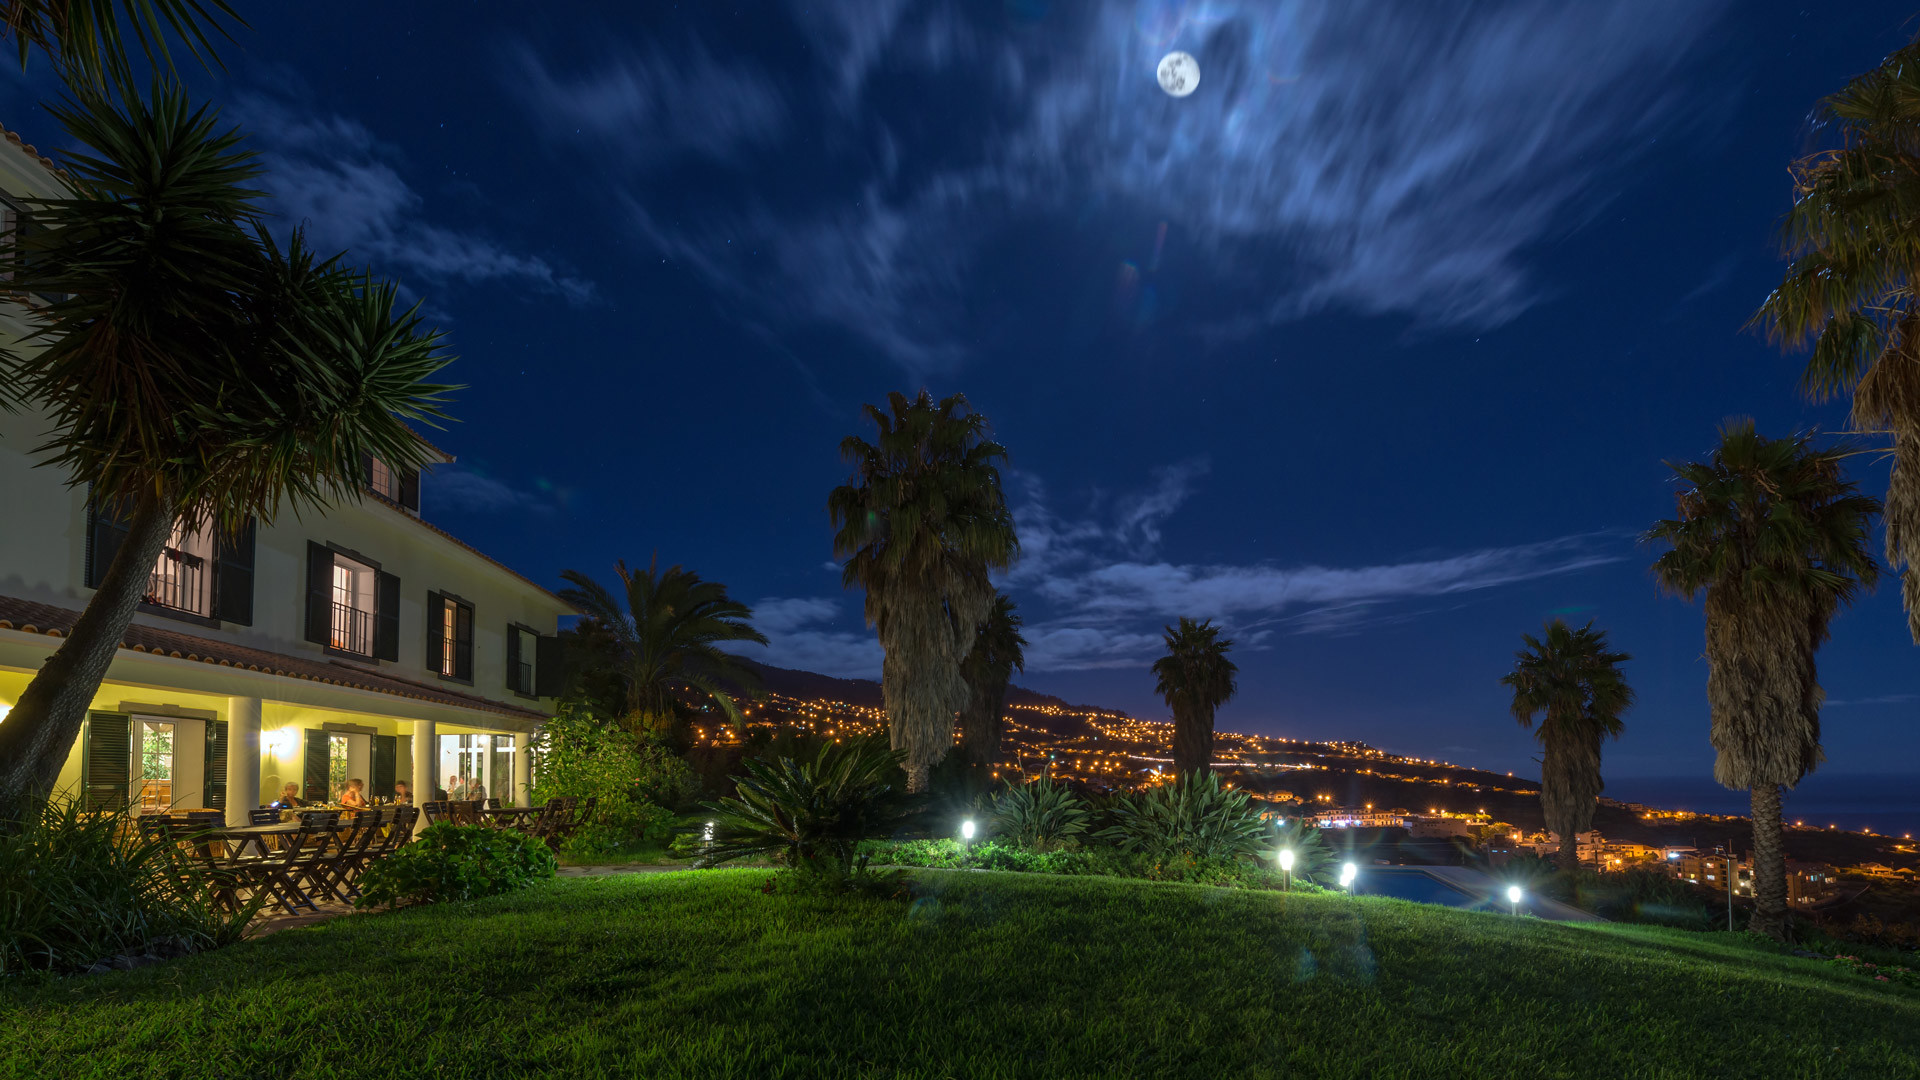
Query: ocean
[{"x": 1887, "y": 803}]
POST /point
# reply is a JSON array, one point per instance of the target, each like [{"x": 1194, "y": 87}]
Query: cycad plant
[
  {"x": 1572, "y": 682},
  {"x": 921, "y": 523},
  {"x": 1775, "y": 536},
  {"x": 1041, "y": 815},
  {"x": 660, "y": 636},
  {"x": 998, "y": 650},
  {"x": 1195, "y": 678},
  {"x": 194, "y": 372},
  {"x": 811, "y": 813},
  {"x": 1195, "y": 816},
  {"x": 1852, "y": 289}
]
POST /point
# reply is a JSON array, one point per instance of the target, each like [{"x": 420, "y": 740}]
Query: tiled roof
[
  {"x": 45, "y": 162},
  {"x": 38, "y": 618}
]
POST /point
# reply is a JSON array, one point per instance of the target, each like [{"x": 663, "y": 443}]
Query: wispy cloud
[
  {"x": 463, "y": 489},
  {"x": 328, "y": 173},
  {"x": 801, "y": 633},
  {"x": 1369, "y": 156},
  {"x": 1096, "y": 594},
  {"x": 1883, "y": 699}
]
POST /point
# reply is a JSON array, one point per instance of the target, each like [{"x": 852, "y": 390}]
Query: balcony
[
  {"x": 179, "y": 581},
  {"x": 352, "y": 629}
]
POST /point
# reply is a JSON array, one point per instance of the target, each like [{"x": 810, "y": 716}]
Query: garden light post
[
  {"x": 1513, "y": 898},
  {"x": 966, "y": 833},
  {"x": 1286, "y": 868},
  {"x": 1348, "y": 872}
]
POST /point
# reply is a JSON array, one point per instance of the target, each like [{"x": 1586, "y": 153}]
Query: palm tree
[
  {"x": 998, "y": 649},
  {"x": 1852, "y": 288},
  {"x": 1575, "y": 685},
  {"x": 194, "y": 371},
  {"x": 1195, "y": 678},
  {"x": 1776, "y": 537},
  {"x": 921, "y": 523},
  {"x": 87, "y": 44},
  {"x": 662, "y": 633}
]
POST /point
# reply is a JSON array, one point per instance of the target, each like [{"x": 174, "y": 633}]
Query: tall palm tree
[
  {"x": 1775, "y": 535},
  {"x": 921, "y": 523},
  {"x": 194, "y": 371},
  {"x": 1852, "y": 287},
  {"x": 1195, "y": 678},
  {"x": 663, "y": 631},
  {"x": 998, "y": 649},
  {"x": 1574, "y": 684}
]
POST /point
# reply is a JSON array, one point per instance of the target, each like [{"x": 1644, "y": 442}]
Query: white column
[
  {"x": 243, "y": 758},
  {"x": 426, "y": 756},
  {"x": 522, "y": 771}
]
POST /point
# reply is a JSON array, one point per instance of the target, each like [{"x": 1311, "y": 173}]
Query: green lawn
[{"x": 986, "y": 975}]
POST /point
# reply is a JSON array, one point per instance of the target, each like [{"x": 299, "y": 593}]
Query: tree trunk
[
  {"x": 1769, "y": 865},
  {"x": 1569, "y": 854},
  {"x": 1192, "y": 743},
  {"x": 39, "y": 733}
]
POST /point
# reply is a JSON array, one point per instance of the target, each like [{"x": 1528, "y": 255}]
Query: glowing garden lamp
[
  {"x": 1286, "y": 867},
  {"x": 1348, "y": 872},
  {"x": 966, "y": 831},
  {"x": 1513, "y": 898}
]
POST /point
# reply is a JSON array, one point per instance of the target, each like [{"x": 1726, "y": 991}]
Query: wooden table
[
  {"x": 255, "y": 835},
  {"x": 511, "y": 815}
]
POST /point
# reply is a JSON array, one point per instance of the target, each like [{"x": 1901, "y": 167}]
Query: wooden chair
[
  {"x": 555, "y": 823},
  {"x": 436, "y": 811},
  {"x": 464, "y": 812},
  {"x": 266, "y": 815},
  {"x": 277, "y": 870}
]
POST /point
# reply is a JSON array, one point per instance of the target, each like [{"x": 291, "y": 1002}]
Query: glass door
[{"x": 153, "y": 774}]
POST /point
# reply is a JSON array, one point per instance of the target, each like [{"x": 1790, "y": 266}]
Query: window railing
[
  {"x": 179, "y": 581},
  {"x": 525, "y": 682},
  {"x": 352, "y": 629}
]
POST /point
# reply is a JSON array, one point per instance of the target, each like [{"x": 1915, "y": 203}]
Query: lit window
[
  {"x": 352, "y": 618},
  {"x": 182, "y": 577}
]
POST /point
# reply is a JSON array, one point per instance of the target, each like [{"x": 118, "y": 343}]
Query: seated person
[
  {"x": 402, "y": 793},
  {"x": 476, "y": 791},
  {"x": 354, "y": 797},
  {"x": 455, "y": 786},
  {"x": 289, "y": 796}
]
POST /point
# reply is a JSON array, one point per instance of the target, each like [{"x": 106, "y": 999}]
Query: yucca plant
[
  {"x": 1041, "y": 816},
  {"x": 1194, "y": 817},
  {"x": 79, "y": 887},
  {"x": 811, "y": 813}
]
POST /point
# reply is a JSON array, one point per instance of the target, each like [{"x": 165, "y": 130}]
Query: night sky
[{"x": 1371, "y": 348}]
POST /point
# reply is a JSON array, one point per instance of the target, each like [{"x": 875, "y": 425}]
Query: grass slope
[{"x": 985, "y": 975}]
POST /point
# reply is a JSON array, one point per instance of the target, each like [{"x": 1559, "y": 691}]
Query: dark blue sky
[{"x": 1371, "y": 348}]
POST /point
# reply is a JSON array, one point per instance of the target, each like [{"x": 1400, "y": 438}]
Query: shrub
[
  {"x": 997, "y": 855},
  {"x": 634, "y": 780},
  {"x": 1192, "y": 817},
  {"x": 1041, "y": 815},
  {"x": 456, "y": 862},
  {"x": 811, "y": 814},
  {"x": 1313, "y": 858},
  {"x": 645, "y": 826},
  {"x": 79, "y": 888}
]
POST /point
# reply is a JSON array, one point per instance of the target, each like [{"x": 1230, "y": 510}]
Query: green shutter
[
  {"x": 213, "y": 782},
  {"x": 319, "y": 594},
  {"x": 106, "y": 761},
  {"x": 463, "y": 642},
  {"x": 513, "y": 658},
  {"x": 233, "y": 576},
  {"x": 314, "y": 787},
  {"x": 386, "y": 616},
  {"x": 385, "y": 750}
]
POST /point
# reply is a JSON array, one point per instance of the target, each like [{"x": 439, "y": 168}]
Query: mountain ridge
[{"x": 794, "y": 682}]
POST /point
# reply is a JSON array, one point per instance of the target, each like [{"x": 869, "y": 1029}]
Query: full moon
[{"x": 1179, "y": 74}]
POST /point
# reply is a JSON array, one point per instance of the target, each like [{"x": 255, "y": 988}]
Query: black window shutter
[
  {"x": 410, "y": 490},
  {"x": 106, "y": 761},
  {"x": 513, "y": 658},
  {"x": 386, "y": 617},
  {"x": 436, "y": 631},
  {"x": 366, "y": 471},
  {"x": 319, "y": 593},
  {"x": 463, "y": 642},
  {"x": 313, "y": 786},
  {"x": 106, "y": 530},
  {"x": 214, "y": 781},
  {"x": 233, "y": 576},
  {"x": 385, "y": 751},
  {"x": 549, "y": 666}
]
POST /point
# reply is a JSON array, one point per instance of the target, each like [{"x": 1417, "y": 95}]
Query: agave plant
[
  {"x": 1041, "y": 815},
  {"x": 1194, "y": 816},
  {"x": 811, "y": 813},
  {"x": 1313, "y": 859}
]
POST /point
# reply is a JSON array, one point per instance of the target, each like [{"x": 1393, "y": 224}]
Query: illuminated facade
[{"x": 360, "y": 643}]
